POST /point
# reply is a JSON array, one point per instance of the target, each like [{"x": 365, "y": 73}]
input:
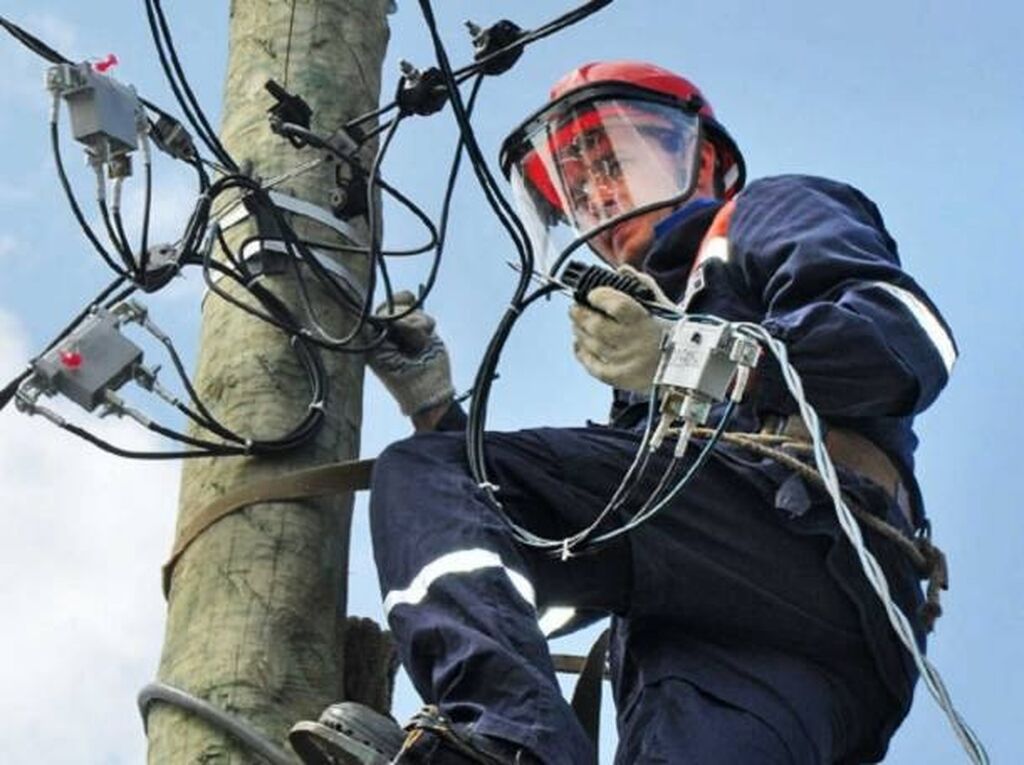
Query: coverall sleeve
[{"x": 865, "y": 338}]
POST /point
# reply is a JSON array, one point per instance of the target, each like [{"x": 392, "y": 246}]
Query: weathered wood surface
[{"x": 256, "y": 610}]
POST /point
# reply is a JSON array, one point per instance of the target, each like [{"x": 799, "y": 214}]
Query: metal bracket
[
  {"x": 255, "y": 253},
  {"x": 238, "y": 213}
]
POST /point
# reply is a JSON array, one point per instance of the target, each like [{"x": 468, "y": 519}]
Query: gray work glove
[
  {"x": 620, "y": 342},
  {"x": 413, "y": 361}
]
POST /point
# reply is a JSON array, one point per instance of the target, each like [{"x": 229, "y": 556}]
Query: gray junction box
[
  {"x": 105, "y": 114},
  {"x": 107, "y": 361}
]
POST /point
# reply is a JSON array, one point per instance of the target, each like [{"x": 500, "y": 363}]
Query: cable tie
[
  {"x": 566, "y": 552},
  {"x": 318, "y": 405},
  {"x": 248, "y": 447},
  {"x": 488, "y": 486},
  {"x": 517, "y": 310}
]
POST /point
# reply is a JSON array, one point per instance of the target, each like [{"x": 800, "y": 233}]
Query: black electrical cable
[
  {"x": 438, "y": 232},
  {"x": 147, "y": 202},
  {"x": 131, "y": 454},
  {"x": 371, "y": 115},
  {"x": 477, "y": 67},
  {"x": 116, "y": 238},
  {"x": 442, "y": 226},
  {"x": 374, "y": 243},
  {"x": 291, "y": 130},
  {"x": 195, "y": 115},
  {"x": 510, "y": 221},
  {"x": 260, "y": 196},
  {"x": 186, "y": 100},
  {"x": 33, "y": 43},
  {"x": 217, "y": 147},
  {"x": 124, "y": 246},
  {"x": 73, "y": 203},
  {"x": 506, "y": 215},
  {"x": 556, "y": 25},
  {"x": 372, "y": 250},
  {"x": 203, "y": 416}
]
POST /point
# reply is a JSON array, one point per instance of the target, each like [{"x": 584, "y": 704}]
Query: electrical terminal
[
  {"x": 702, "y": 364},
  {"x": 147, "y": 380},
  {"x": 116, "y": 406}
]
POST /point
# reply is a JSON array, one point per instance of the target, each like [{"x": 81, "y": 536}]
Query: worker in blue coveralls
[{"x": 743, "y": 629}]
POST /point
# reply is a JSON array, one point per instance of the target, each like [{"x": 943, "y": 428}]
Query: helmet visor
[{"x": 581, "y": 166}]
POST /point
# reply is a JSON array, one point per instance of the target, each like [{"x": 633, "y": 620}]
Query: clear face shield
[{"x": 589, "y": 164}]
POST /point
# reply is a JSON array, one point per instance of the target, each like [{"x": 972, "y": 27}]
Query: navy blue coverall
[{"x": 743, "y": 628}]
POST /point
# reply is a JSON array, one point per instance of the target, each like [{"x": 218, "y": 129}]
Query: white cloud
[{"x": 82, "y": 537}]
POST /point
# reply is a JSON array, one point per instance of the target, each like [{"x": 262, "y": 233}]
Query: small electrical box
[
  {"x": 94, "y": 358},
  {"x": 699, "y": 359},
  {"x": 105, "y": 114}
]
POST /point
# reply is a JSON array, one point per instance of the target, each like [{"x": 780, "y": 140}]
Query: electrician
[{"x": 744, "y": 630}]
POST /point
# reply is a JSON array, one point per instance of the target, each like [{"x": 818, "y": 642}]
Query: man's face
[{"x": 598, "y": 182}]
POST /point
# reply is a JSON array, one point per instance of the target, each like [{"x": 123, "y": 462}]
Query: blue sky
[{"x": 917, "y": 103}]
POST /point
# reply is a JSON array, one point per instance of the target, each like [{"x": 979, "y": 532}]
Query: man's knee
[{"x": 423, "y": 451}]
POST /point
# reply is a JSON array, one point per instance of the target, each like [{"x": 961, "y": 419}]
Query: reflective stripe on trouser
[{"x": 719, "y": 566}]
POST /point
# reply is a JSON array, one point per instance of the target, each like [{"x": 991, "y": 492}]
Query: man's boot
[{"x": 350, "y": 732}]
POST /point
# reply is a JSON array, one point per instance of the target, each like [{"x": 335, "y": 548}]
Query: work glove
[
  {"x": 616, "y": 339},
  {"x": 413, "y": 361}
]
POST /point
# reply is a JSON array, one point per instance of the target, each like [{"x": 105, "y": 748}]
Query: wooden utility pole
[{"x": 256, "y": 621}]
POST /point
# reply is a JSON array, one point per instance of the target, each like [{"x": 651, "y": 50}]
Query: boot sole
[{"x": 360, "y": 741}]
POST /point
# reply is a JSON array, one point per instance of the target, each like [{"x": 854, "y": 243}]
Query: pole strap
[{"x": 332, "y": 478}]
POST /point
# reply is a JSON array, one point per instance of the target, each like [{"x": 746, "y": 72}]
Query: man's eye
[
  {"x": 611, "y": 167},
  {"x": 579, "y": 196}
]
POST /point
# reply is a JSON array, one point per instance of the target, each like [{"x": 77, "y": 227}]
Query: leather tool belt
[{"x": 854, "y": 452}]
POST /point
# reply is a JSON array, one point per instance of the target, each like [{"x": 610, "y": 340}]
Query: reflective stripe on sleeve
[
  {"x": 927, "y": 320},
  {"x": 460, "y": 562},
  {"x": 554, "y": 618}
]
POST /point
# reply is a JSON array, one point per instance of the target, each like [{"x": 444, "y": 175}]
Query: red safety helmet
[{"x": 616, "y": 138}]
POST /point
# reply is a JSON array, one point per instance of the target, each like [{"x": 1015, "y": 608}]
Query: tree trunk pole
[{"x": 256, "y": 609}]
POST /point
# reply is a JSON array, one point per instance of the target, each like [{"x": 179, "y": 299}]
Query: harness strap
[
  {"x": 586, "y": 697},
  {"x": 332, "y": 478}
]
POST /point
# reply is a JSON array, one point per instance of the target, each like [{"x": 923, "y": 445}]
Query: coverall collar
[{"x": 676, "y": 240}]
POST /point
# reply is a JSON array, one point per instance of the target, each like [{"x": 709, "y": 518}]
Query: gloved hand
[
  {"x": 413, "y": 361},
  {"x": 620, "y": 342}
]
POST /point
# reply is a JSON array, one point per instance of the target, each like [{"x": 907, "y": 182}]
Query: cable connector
[
  {"x": 162, "y": 265},
  {"x": 172, "y": 139},
  {"x": 422, "y": 93},
  {"x": 487, "y": 42},
  {"x": 289, "y": 107},
  {"x": 349, "y": 201}
]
